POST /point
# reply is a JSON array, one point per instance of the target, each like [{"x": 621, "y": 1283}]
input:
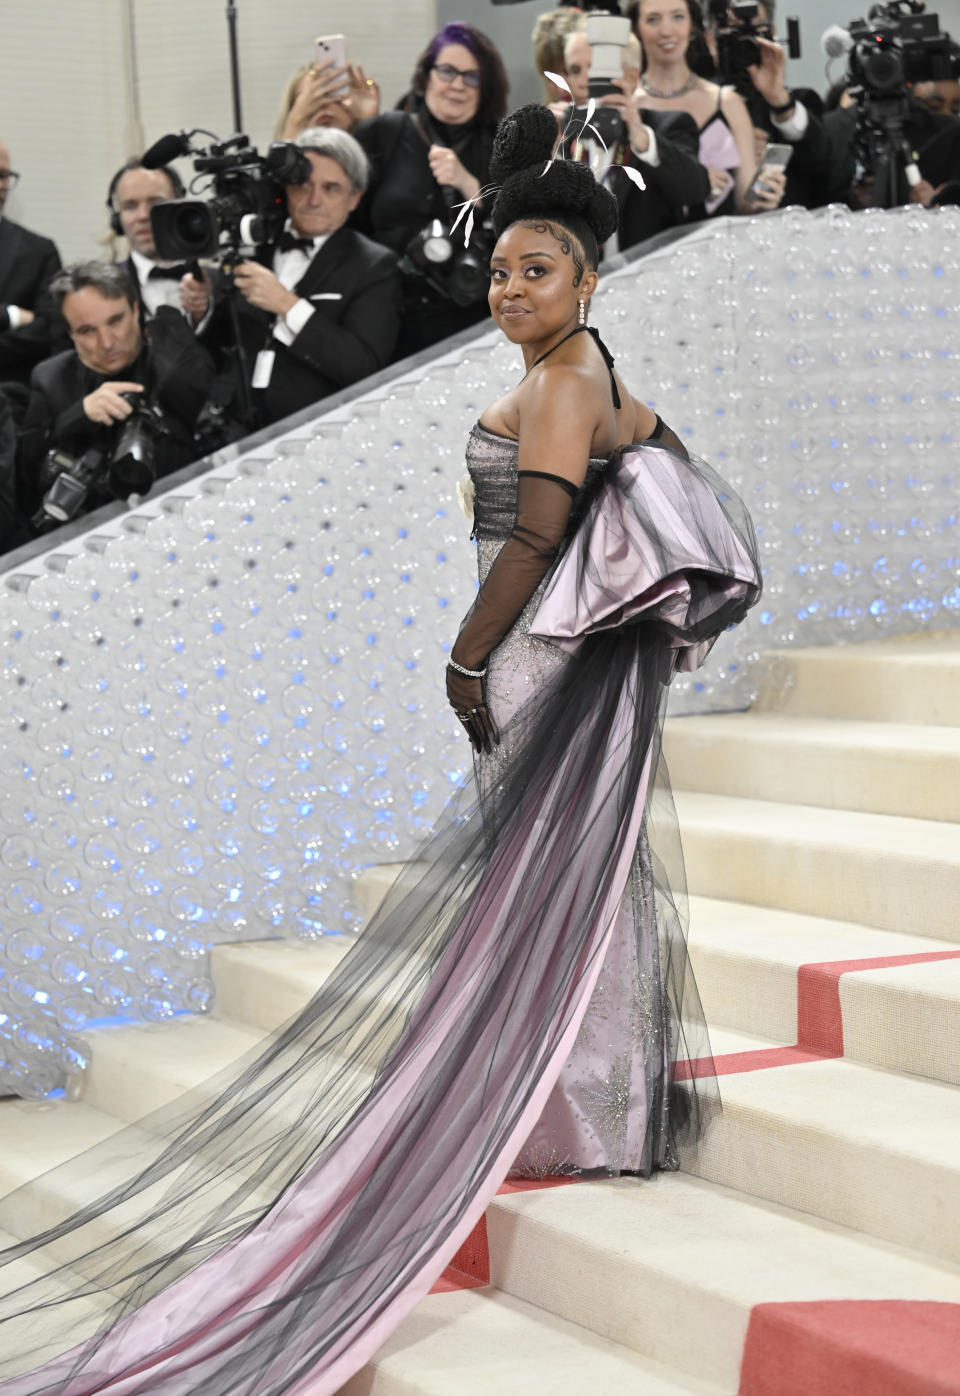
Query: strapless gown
[
  {"x": 521, "y": 1000},
  {"x": 607, "y": 1112}
]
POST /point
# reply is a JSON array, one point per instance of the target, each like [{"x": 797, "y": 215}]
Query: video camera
[
  {"x": 115, "y": 469},
  {"x": 898, "y": 44},
  {"x": 738, "y": 27},
  {"x": 248, "y": 207}
]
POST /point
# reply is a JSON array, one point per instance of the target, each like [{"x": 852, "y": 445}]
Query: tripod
[{"x": 889, "y": 156}]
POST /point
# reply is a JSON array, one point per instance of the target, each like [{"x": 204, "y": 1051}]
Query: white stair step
[
  {"x": 374, "y": 883},
  {"x": 866, "y": 1148},
  {"x": 913, "y": 678},
  {"x": 263, "y": 983},
  {"x": 39, "y": 1137},
  {"x": 477, "y": 1341},
  {"x": 881, "y": 870},
  {"x": 905, "y": 1017},
  {"x": 876, "y": 767},
  {"x": 134, "y": 1070},
  {"x": 674, "y": 1266},
  {"x": 38, "y": 1335}
]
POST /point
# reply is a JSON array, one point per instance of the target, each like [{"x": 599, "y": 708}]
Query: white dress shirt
[
  {"x": 289, "y": 268},
  {"x": 161, "y": 291}
]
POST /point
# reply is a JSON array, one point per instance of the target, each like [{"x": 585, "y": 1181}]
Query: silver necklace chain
[{"x": 688, "y": 86}]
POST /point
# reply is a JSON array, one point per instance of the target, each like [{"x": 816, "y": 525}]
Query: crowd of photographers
[{"x": 362, "y": 237}]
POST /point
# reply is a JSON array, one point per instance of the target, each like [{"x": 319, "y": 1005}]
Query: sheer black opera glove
[
  {"x": 543, "y": 512},
  {"x": 668, "y": 437}
]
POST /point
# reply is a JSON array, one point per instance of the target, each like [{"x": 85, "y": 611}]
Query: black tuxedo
[
  {"x": 808, "y": 172},
  {"x": 345, "y": 339},
  {"x": 176, "y": 373},
  {"x": 678, "y": 184},
  {"x": 28, "y": 263}
]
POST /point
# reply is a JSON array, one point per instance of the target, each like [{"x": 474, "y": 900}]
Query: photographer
[
  {"x": 323, "y": 305},
  {"x": 661, "y": 145},
  {"x": 777, "y": 113},
  {"x": 80, "y": 399},
  {"x": 315, "y": 96},
  {"x": 132, "y": 195},
  {"x": 425, "y": 162},
  {"x": 889, "y": 148},
  {"x": 726, "y": 147}
]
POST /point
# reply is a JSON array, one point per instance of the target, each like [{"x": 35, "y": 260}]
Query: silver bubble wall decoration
[{"x": 218, "y": 708}]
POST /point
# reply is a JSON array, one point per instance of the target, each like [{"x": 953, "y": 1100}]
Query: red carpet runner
[{"x": 844, "y": 1347}]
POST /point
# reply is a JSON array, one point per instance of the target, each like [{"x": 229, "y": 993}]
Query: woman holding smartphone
[{"x": 665, "y": 29}]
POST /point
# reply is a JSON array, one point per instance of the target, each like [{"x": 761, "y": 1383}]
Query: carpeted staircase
[{"x": 816, "y": 1252}]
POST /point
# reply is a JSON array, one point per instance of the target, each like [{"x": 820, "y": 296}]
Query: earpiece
[{"x": 176, "y": 184}]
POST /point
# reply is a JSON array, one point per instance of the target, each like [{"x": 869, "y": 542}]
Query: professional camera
[
  {"x": 738, "y": 27},
  {"x": 899, "y": 44},
  {"x": 461, "y": 273},
  {"x": 115, "y": 469},
  {"x": 248, "y": 207},
  {"x": 607, "y": 34}
]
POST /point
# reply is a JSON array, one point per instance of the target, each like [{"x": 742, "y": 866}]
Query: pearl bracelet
[{"x": 470, "y": 673}]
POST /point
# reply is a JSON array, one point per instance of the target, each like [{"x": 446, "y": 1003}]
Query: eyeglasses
[
  {"x": 446, "y": 72},
  {"x": 9, "y": 177}
]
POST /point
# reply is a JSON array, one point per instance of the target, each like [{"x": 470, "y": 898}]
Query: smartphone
[
  {"x": 775, "y": 157},
  {"x": 332, "y": 48},
  {"x": 607, "y": 35}
]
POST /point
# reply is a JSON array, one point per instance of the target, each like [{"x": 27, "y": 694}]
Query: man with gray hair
[{"x": 323, "y": 304}]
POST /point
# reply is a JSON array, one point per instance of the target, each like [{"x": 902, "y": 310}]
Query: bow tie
[
  {"x": 289, "y": 242},
  {"x": 168, "y": 273}
]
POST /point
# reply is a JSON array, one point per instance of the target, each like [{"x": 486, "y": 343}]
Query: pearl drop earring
[{"x": 583, "y": 311}]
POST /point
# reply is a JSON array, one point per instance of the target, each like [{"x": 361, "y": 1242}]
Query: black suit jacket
[
  {"x": 176, "y": 372},
  {"x": 676, "y": 186},
  {"x": 934, "y": 138},
  {"x": 349, "y": 336},
  {"x": 28, "y": 263},
  {"x": 808, "y": 173}
]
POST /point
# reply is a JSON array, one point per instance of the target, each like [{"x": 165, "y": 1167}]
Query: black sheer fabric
[
  {"x": 265, "y": 1233},
  {"x": 543, "y": 513}
]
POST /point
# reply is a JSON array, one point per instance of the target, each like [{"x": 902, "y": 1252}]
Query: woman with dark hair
[
  {"x": 426, "y": 160},
  {"x": 670, "y": 33},
  {"x": 522, "y": 999}
]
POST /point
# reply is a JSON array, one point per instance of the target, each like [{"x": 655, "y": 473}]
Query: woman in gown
[{"x": 522, "y": 999}]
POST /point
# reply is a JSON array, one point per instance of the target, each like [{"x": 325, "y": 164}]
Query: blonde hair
[
  {"x": 549, "y": 38},
  {"x": 288, "y": 99}
]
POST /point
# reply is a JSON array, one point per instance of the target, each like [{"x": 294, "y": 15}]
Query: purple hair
[{"x": 493, "y": 78}]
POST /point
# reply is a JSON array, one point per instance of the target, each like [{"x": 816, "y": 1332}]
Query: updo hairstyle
[{"x": 564, "y": 196}]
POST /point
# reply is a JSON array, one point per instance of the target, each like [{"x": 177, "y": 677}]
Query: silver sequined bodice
[{"x": 492, "y": 463}]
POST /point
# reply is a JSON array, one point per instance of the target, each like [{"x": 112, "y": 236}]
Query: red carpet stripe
[
  {"x": 470, "y": 1267},
  {"x": 852, "y": 1347},
  {"x": 819, "y": 1019},
  {"x": 820, "y": 1038}
]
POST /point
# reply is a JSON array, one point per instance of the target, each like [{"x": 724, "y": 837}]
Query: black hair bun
[
  {"x": 533, "y": 184},
  {"x": 525, "y": 137}
]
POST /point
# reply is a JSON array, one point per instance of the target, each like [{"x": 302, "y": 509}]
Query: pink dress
[
  {"x": 520, "y": 1001},
  {"x": 718, "y": 149}
]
